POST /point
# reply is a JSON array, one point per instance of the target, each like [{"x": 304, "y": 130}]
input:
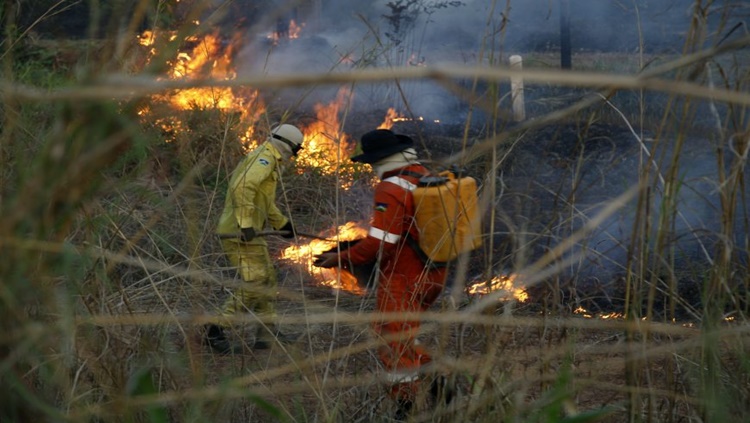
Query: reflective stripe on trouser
[
  {"x": 402, "y": 357},
  {"x": 256, "y": 270}
]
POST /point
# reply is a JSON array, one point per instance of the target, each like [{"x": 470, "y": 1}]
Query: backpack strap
[
  {"x": 412, "y": 173},
  {"x": 414, "y": 244}
]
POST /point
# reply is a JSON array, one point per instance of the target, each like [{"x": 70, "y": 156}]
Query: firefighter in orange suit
[
  {"x": 249, "y": 205},
  {"x": 405, "y": 283}
]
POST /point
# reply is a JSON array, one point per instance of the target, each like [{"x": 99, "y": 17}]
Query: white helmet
[{"x": 289, "y": 135}]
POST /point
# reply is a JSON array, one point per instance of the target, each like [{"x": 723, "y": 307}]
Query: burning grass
[
  {"x": 338, "y": 279},
  {"x": 111, "y": 266}
]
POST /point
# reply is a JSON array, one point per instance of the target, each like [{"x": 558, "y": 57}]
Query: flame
[
  {"x": 501, "y": 282},
  {"x": 294, "y": 29},
  {"x": 585, "y": 313},
  {"x": 209, "y": 57},
  {"x": 415, "y": 60},
  {"x": 292, "y": 32},
  {"x": 147, "y": 39},
  {"x": 326, "y": 146},
  {"x": 390, "y": 117},
  {"x": 304, "y": 254}
]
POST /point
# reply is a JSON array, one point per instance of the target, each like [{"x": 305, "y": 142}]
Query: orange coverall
[{"x": 405, "y": 283}]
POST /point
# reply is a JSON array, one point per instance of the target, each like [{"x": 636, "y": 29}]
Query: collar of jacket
[{"x": 275, "y": 151}]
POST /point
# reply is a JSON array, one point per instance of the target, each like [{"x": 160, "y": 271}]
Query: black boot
[
  {"x": 403, "y": 408},
  {"x": 442, "y": 389},
  {"x": 216, "y": 339},
  {"x": 261, "y": 344}
]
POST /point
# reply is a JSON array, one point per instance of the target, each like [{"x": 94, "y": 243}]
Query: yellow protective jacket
[{"x": 251, "y": 196}]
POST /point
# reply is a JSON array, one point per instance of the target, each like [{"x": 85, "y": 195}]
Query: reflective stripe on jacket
[
  {"x": 392, "y": 219},
  {"x": 251, "y": 195}
]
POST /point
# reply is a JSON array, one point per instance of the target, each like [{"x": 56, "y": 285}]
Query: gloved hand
[
  {"x": 247, "y": 234},
  {"x": 288, "y": 228},
  {"x": 326, "y": 260}
]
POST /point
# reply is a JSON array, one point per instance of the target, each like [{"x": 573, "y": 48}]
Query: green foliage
[
  {"x": 141, "y": 383},
  {"x": 42, "y": 70},
  {"x": 79, "y": 19},
  {"x": 268, "y": 407}
]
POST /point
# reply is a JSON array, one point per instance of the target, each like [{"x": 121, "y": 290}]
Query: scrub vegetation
[{"x": 109, "y": 195}]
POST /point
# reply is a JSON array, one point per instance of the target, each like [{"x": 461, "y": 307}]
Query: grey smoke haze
[
  {"x": 555, "y": 182},
  {"x": 347, "y": 34},
  {"x": 696, "y": 220}
]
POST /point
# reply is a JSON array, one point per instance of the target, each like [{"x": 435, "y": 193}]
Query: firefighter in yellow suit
[{"x": 250, "y": 204}]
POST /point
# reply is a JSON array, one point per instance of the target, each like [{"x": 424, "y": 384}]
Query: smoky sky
[
  {"x": 443, "y": 30},
  {"x": 347, "y": 35}
]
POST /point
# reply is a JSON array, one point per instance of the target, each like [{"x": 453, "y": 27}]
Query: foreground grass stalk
[{"x": 110, "y": 267}]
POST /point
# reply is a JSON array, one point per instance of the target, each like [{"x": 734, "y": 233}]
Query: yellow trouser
[{"x": 254, "y": 266}]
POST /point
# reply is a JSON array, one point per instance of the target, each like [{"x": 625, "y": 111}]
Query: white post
[{"x": 516, "y": 89}]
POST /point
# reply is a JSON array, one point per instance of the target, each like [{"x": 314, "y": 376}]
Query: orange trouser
[
  {"x": 258, "y": 274},
  {"x": 402, "y": 357}
]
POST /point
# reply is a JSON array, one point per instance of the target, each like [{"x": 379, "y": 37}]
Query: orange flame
[
  {"x": 502, "y": 282},
  {"x": 208, "y": 58},
  {"x": 147, "y": 39},
  {"x": 304, "y": 254},
  {"x": 291, "y": 32},
  {"x": 390, "y": 117},
  {"x": 326, "y": 146},
  {"x": 585, "y": 313}
]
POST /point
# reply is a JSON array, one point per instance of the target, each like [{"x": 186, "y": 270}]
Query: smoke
[
  {"x": 343, "y": 35},
  {"x": 682, "y": 219}
]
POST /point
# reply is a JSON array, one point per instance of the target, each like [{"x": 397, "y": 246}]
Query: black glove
[
  {"x": 326, "y": 260},
  {"x": 247, "y": 234},
  {"x": 288, "y": 228}
]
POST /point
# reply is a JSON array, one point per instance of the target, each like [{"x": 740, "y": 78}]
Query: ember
[
  {"x": 499, "y": 283},
  {"x": 585, "y": 313}
]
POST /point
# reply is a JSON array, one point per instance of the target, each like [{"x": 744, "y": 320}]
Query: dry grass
[{"x": 110, "y": 265}]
